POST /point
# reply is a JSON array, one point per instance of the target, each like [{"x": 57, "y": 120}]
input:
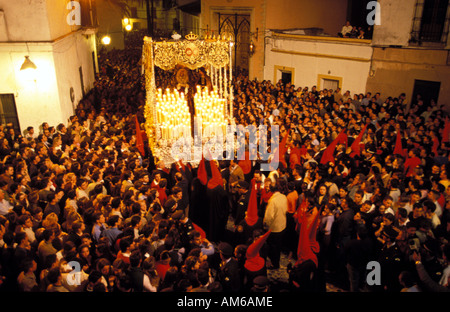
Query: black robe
[
  {"x": 198, "y": 208},
  {"x": 218, "y": 207}
]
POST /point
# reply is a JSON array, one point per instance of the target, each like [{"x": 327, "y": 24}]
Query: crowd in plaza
[{"x": 362, "y": 186}]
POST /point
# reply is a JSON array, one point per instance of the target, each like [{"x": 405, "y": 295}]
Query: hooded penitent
[
  {"x": 254, "y": 261},
  {"x": 217, "y": 203},
  {"x": 201, "y": 172},
  {"x": 251, "y": 216},
  {"x": 355, "y": 147},
  {"x": 216, "y": 178},
  {"x": 328, "y": 154},
  {"x": 308, "y": 221}
]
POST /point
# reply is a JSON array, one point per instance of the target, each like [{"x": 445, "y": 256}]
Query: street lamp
[
  {"x": 106, "y": 40},
  {"x": 27, "y": 64},
  {"x": 126, "y": 24},
  {"x": 251, "y": 48},
  {"x": 28, "y": 70}
]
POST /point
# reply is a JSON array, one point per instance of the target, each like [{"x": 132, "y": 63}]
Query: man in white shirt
[
  {"x": 346, "y": 29},
  {"x": 275, "y": 111},
  {"x": 388, "y": 203},
  {"x": 5, "y": 206},
  {"x": 413, "y": 198},
  {"x": 275, "y": 220}
]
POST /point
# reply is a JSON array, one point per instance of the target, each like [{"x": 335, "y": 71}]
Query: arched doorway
[{"x": 238, "y": 27}]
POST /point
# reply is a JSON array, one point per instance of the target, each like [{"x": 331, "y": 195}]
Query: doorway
[
  {"x": 8, "y": 111},
  {"x": 80, "y": 70},
  {"x": 286, "y": 77},
  {"x": 238, "y": 27},
  {"x": 427, "y": 90},
  {"x": 285, "y": 74}
]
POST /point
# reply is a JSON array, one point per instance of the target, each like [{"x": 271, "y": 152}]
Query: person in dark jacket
[{"x": 228, "y": 274}]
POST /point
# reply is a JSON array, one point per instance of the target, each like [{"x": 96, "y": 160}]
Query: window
[
  {"x": 133, "y": 12},
  {"x": 329, "y": 82},
  {"x": 238, "y": 27},
  {"x": 8, "y": 111},
  {"x": 431, "y": 21},
  {"x": 176, "y": 24},
  {"x": 88, "y": 13}
]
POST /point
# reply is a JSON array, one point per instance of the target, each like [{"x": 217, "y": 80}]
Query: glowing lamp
[
  {"x": 27, "y": 64},
  {"x": 251, "y": 48},
  {"x": 106, "y": 40}
]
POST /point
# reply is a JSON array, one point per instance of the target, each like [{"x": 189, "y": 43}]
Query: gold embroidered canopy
[{"x": 191, "y": 53}]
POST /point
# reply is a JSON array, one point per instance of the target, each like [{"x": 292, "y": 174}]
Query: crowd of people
[{"x": 361, "y": 180}]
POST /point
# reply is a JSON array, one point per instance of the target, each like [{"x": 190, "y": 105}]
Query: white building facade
[
  {"x": 60, "y": 40},
  {"x": 324, "y": 62},
  {"x": 297, "y": 41}
]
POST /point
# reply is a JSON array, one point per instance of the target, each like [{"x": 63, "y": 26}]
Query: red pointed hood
[
  {"x": 328, "y": 153},
  {"x": 342, "y": 138},
  {"x": 313, "y": 233},
  {"x": 183, "y": 167},
  {"x": 301, "y": 210},
  {"x": 216, "y": 178},
  {"x": 245, "y": 164},
  {"x": 283, "y": 148},
  {"x": 446, "y": 131},
  {"x": 355, "y": 147},
  {"x": 296, "y": 155},
  {"x": 307, "y": 244},
  {"x": 200, "y": 230},
  {"x": 201, "y": 172},
  {"x": 252, "y": 210},
  {"x": 436, "y": 144},
  {"x": 254, "y": 261},
  {"x": 294, "y": 160},
  {"x": 139, "y": 139},
  {"x": 398, "y": 150}
]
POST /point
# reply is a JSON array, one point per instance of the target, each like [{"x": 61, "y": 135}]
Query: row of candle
[
  {"x": 173, "y": 114},
  {"x": 174, "y": 118},
  {"x": 210, "y": 110}
]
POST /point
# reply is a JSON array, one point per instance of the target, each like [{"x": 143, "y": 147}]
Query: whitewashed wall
[
  {"x": 36, "y": 97},
  {"x": 69, "y": 54},
  {"x": 311, "y": 57},
  {"x": 40, "y": 30}
]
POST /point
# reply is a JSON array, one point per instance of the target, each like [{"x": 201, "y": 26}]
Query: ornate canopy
[
  {"x": 214, "y": 54},
  {"x": 191, "y": 53}
]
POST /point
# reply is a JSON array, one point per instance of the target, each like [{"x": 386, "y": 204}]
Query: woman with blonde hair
[
  {"x": 50, "y": 221},
  {"x": 71, "y": 217},
  {"x": 71, "y": 178}
]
